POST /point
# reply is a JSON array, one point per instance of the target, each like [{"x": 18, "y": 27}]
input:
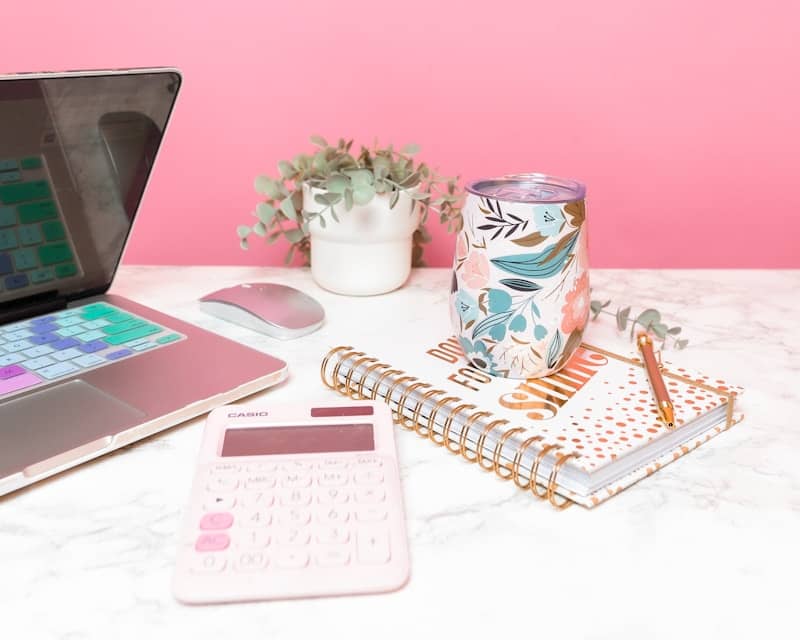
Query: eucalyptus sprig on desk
[{"x": 649, "y": 320}]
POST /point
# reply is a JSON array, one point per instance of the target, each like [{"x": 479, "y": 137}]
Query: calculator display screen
[{"x": 261, "y": 441}]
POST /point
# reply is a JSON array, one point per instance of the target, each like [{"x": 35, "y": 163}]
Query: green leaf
[
  {"x": 265, "y": 212},
  {"x": 243, "y": 243},
  {"x": 648, "y": 318},
  {"x": 337, "y": 184},
  {"x": 486, "y": 325},
  {"x": 544, "y": 264},
  {"x": 393, "y": 199},
  {"x": 418, "y": 195},
  {"x": 411, "y": 149},
  {"x": 360, "y": 177},
  {"x": 288, "y": 209},
  {"x": 267, "y": 186},
  {"x": 327, "y": 198},
  {"x": 259, "y": 229},
  {"x": 322, "y": 222},
  {"x": 518, "y": 284},
  {"x": 286, "y": 169},
  {"x": 348, "y": 199},
  {"x": 363, "y": 194},
  {"x": 294, "y": 235},
  {"x": 681, "y": 344},
  {"x": 319, "y": 141},
  {"x": 596, "y": 307},
  {"x": 243, "y": 231},
  {"x": 320, "y": 163},
  {"x": 554, "y": 350},
  {"x": 674, "y": 331},
  {"x": 622, "y": 318},
  {"x": 660, "y": 329}
]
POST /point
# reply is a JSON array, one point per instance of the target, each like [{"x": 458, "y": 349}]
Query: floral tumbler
[{"x": 520, "y": 290}]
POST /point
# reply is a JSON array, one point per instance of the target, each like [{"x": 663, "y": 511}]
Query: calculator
[{"x": 294, "y": 501}]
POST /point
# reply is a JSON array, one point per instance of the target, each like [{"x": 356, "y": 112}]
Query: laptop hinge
[{"x": 36, "y": 305}]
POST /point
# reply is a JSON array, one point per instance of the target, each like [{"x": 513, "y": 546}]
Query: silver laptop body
[{"x": 83, "y": 372}]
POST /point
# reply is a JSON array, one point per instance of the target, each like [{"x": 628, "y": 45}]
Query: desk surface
[{"x": 706, "y": 547}]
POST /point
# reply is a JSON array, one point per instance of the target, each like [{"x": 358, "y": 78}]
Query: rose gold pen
[{"x": 665, "y": 409}]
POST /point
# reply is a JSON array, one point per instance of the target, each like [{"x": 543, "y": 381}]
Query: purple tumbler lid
[{"x": 528, "y": 187}]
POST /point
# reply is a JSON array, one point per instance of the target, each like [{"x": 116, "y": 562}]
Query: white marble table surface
[{"x": 707, "y": 547}]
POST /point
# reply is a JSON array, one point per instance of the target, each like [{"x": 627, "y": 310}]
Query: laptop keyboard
[
  {"x": 34, "y": 247},
  {"x": 45, "y": 349}
]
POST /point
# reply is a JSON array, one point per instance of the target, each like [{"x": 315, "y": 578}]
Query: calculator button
[
  {"x": 371, "y": 514},
  {"x": 293, "y": 517},
  {"x": 253, "y": 539},
  {"x": 332, "y": 516},
  {"x": 292, "y": 536},
  {"x": 296, "y": 467},
  {"x": 332, "y": 478},
  {"x": 254, "y": 518},
  {"x": 369, "y": 461},
  {"x": 212, "y": 542},
  {"x": 255, "y": 499},
  {"x": 218, "y": 502},
  {"x": 216, "y": 520},
  {"x": 296, "y": 481},
  {"x": 291, "y": 559},
  {"x": 259, "y": 481},
  {"x": 261, "y": 467},
  {"x": 251, "y": 561},
  {"x": 295, "y": 497},
  {"x": 370, "y": 495},
  {"x": 368, "y": 476},
  {"x": 225, "y": 467},
  {"x": 333, "y": 464},
  {"x": 332, "y": 556},
  {"x": 332, "y": 495},
  {"x": 333, "y": 535},
  {"x": 223, "y": 483},
  {"x": 209, "y": 563},
  {"x": 373, "y": 545}
]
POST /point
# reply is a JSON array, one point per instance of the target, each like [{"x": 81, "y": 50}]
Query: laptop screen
[{"x": 75, "y": 156}]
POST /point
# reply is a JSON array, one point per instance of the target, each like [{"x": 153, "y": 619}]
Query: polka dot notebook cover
[{"x": 581, "y": 435}]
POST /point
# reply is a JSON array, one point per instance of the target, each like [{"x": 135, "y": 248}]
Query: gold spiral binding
[
  {"x": 552, "y": 484},
  {"x": 515, "y": 466},
  {"x": 349, "y": 387},
  {"x": 341, "y": 388},
  {"x": 448, "y": 423},
  {"x": 535, "y": 469},
  {"x": 462, "y": 438},
  {"x": 367, "y": 371},
  {"x": 482, "y": 440},
  {"x": 432, "y": 417},
  {"x": 498, "y": 467},
  {"x": 420, "y": 430},
  {"x": 401, "y": 406},
  {"x": 376, "y": 387},
  {"x": 388, "y": 396},
  {"x": 324, "y": 366}
]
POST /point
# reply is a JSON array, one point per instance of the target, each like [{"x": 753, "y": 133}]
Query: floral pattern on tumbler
[{"x": 520, "y": 290}]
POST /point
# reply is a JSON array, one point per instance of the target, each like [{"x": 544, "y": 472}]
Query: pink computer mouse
[{"x": 272, "y": 309}]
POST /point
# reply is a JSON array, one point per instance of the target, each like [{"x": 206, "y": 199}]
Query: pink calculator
[{"x": 294, "y": 501}]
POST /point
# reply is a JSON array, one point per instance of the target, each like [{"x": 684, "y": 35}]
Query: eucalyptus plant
[
  {"x": 345, "y": 179},
  {"x": 649, "y": 320}
]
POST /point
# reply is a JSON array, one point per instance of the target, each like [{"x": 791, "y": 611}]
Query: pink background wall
[{"x": 681, "y": 116}]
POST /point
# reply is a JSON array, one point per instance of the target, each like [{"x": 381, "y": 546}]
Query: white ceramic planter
[{"x": 368, "y": 251}]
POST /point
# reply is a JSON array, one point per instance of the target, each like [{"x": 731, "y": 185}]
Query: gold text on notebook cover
[{"x": 540, "y": 398}]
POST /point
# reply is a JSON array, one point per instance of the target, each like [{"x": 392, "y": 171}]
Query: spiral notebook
[{"x": 580, "y": 436}]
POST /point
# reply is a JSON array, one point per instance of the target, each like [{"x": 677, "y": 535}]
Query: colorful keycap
[{"x": 24, "y": 191}]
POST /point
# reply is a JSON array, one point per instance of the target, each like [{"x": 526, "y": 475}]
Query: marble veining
[{"x": 706, "y": 547}]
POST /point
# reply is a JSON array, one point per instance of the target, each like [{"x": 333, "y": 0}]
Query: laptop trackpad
[{"x": 50, "y": 422}]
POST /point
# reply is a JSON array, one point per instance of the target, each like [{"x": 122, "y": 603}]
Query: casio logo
[{"x": 249, "y": 414}]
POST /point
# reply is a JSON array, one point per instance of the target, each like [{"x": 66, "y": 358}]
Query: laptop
[{"x": 84, "y": 372}]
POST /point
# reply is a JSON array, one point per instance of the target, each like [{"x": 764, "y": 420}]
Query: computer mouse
[{"x": 272, "y": 309}]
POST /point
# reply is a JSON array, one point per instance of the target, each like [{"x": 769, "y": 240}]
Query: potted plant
[{"x": 358, "y": 219}]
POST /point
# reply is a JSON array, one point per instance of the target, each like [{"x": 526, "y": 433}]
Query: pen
[{"x": 664, "y": 404}]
